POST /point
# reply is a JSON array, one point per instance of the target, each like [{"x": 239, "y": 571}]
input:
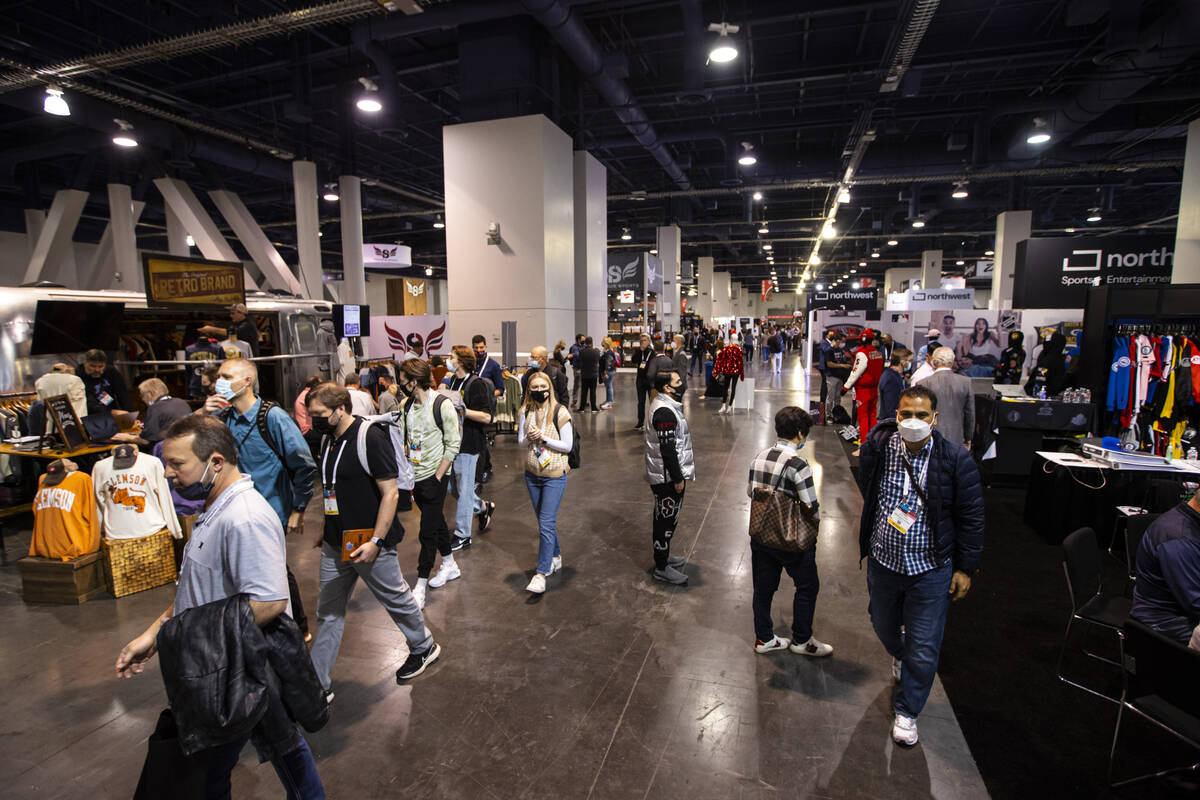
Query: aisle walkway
[{"x": 608, "y": 686}]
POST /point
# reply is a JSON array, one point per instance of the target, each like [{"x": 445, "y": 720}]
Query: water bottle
[{"x": 1042, "y": 393}]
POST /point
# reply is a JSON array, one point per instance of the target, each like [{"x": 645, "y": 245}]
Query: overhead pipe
[
  {"x": 694, "y": 32},
  {"x": 698, "y": 135},
  {"x": 577, "y": 41}
]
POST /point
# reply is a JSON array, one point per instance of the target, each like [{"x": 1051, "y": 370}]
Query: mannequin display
[
  {"x": 327, "y": 347},
  {"x": 66, "y": 524},
  {"x": 346, "y": 365},
  {"x": 133, "y": 496},
  {"x": 203, "y": 349},
  {"x": 233, "y": 347},
  {"x": 1012, "y": 360}
]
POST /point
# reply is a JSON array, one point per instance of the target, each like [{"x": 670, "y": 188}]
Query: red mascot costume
[{"x": 864, "y": 380}]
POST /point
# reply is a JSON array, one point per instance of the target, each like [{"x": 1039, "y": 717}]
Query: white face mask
[
  {"x": 453, "y": 365},
  {"x": 914, "y": 430}
]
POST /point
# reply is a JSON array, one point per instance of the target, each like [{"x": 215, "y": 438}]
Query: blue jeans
[
  {"x": 464, "y": 489},
  {"x": 979, "y": 371},
  {"x": 608, "y": 392},
  {"x": 697, "y": 362},
  {"x": 296, "y": 770},
  {"x": 919, "y": 603},
  {"x": 546, "y": 494}
]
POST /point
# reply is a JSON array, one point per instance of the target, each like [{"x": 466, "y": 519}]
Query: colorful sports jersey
[{"x": 1118, "y": 379}]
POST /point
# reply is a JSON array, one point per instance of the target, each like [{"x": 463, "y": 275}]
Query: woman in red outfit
[{"x": 730, "y": 362}]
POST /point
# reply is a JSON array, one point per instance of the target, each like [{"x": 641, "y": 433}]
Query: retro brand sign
[
  {"x": 176, "y": 280},
  {"x": 849, "y": 299},
  {"x": 1057, "y": 272}
]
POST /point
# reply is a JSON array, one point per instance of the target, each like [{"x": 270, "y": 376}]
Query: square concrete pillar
[
  {"x": 669, "y": 254},
  {"x": 518, "y": 174},
  {"x": 591, "y": 246},
  {"x": 722, "y": 305},
  {"x": 1011, "y": 227},
  {"x": 1186, "y": 266},
  {"x": 931, "y": 269},
  {"x": 704, "y": 287}
]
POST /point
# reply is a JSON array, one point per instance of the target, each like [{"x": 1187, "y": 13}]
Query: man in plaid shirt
[
  {"x": 922, "y": 535},
  {"x": 781, "y": 469}
]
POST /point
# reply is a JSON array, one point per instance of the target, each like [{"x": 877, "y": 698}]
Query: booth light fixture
[
  {"x": 959, "y": 263},
  {"x": 54, "y": 102},
  {"x": 724, "y": 49},
  {"x": 874, "y": 254},
  {"x": 768, "y": 247},
  {"x": 368, "y": 101},
  {"x": 747, "y": 158},
  {"x": 124, "y": 137},
  {"x": 438, "y": 222},
  {"x": 892, "y": 242},
  {"x": 331, "y": 194}
]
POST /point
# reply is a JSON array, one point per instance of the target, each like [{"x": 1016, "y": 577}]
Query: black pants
[
  {"x": 297, "y": 604},
  {"x": 667, "y": 503},
  {"x": 731, "y": 390},
  {"x": 766, "y": 564},
  {"x": 588, "y": 389},
  {"x": 642, "y": 390},
  {"x": 434, "y": 534},
  {"x": 824, "y": 387}
]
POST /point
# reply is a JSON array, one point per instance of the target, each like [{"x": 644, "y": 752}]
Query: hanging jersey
[
  {"x": 1145, "y": 361},
  {"x": 65, "y": 522},
  {"x": 1118, "y": 379}
]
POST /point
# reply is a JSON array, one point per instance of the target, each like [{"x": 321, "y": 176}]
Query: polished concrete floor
[{"x": 608, "y": 686}]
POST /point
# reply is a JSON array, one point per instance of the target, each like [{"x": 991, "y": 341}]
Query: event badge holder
[{"x": 904, "y": 515}]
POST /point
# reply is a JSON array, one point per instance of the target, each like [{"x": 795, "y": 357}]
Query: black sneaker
[
  {"x": 417, "y": 662},
  {"x": 460, "y": 544},
  {"x": 485, "y": 516}
]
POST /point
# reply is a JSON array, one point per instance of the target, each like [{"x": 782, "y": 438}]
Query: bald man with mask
[{"x": 558, "y": 378}]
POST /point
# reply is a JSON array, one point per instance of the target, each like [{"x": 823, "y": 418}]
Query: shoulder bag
[{"x": 780, "y": 521}]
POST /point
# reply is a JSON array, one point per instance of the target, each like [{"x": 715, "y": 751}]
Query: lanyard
[
  {"x": 222, "y": 501},
  {"x": 331, "y": 483},
  {"x": 909, "y": 474},
  {"x": 483, "y": 366}
]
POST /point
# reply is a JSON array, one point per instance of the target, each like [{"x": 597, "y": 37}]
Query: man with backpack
[
  {"x": 432, "y": 439},
  {"x": 271, "y": 449},
  {"x": 361, "y": 496},
  {"x": 478, "y": 410}
]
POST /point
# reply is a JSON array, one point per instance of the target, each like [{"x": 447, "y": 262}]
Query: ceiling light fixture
[
  {"x": 1094, "y": 215},
  {"x": 764, "y": 228},
  {"x": 757, "y": 195},
  {"x": 54, "y": 102},
  {"x": 438, "y": 222},
  {"x": 768, "y": 246},
  {"x": 843, "y": 195},
  {"x": 1040, "y": 133},
  {"x": 960, "y": 191},
  {"x": 829, "y": 231},
  {"x": 429, "y": 271},
  {"x": 856, "y": 286},
  {"x": 653, "y": 252},
  {"x": 368, "y": 101},
  {"x": 892, "y": 242},
  {"x": 1068, "y": 230},
  {"x": 820, "y": 287},
  {"x": 853, "y": 272},
  {"x": 862, "y": 263},
  {"x": 723, "y": 49},
  {"x": 989, "y": 252},
  {"x": 626, "y": 235},
  {"x": 918, "y": 223},
  {"x": 189, "y": 240},
  {"x": 874, "y": 254},
  {"x": 959, "y": 263},
  {"x": 814, "y": 260},
  {"x": 124, "y": 137},
  {"x": 747, "y": 158},
  {"x": 331, "y": 194}
]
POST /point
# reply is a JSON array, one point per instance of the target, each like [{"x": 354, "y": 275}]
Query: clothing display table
[
  {"x": 1020, "y": 428},
  {"x": 49, "y": 454},
  {"x": 1067, "y": 492}
]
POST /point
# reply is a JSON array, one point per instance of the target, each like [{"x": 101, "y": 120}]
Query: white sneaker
[
  {"x": 896, "y": 669},
  {"x": 555, "y": 564},
  {"x": 445, "y": 573},
  {"x": 812, "y": 647},
  {"x": 904, "y": 730},
  {"x": 776, "y": 643},
  {"x": 419, "y": 595},
  {"x": 537, "y": 584}
]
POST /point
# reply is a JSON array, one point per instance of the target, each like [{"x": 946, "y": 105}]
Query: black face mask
[
  {"x": 540, "y": 395},
  {"x": 324, "y": 425},
  {"x": 405, "y": 389},
  {"x": 198, "y": 490}
]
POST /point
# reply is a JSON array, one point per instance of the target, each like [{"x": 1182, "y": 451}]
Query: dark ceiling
[{"x": 1114, "y": 82}]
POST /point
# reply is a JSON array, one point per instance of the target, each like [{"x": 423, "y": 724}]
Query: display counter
[{"x": 1019, "y": 428}]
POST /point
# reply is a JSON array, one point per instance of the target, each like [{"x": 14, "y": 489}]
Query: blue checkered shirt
[{"x": 911, "y": 553}]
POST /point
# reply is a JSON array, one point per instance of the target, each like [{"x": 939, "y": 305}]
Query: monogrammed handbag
[{"x": 780, "y": 521}]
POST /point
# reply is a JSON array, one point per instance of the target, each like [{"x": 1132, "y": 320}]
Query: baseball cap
[
  {"x": 239, "y": 307},
  {"x": 933, "y": 333},
  {"x": 868, "y": 333},
  {"x": 124, "y": 456},
  {"x": 56, "y": 471}
]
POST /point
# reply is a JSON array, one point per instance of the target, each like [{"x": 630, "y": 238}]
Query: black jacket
[
  {"x": 588, "y": 363},
  {"x": 955, "y": 497},
  {"x": 225, "y": 678}
]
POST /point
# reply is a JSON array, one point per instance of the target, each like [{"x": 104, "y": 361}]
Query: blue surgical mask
[
  {"x": 224, "y": 388},
  {"x": 198, "y": 490}
]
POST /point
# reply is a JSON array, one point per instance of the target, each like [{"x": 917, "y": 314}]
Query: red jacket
[
  {"x": 730, "y": 362},
  {"x": 870, "y": 378}
]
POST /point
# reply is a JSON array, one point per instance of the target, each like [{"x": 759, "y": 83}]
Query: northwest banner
[
  {"x": 176, "y": 280},
  {"x": 407, "y": 337}
]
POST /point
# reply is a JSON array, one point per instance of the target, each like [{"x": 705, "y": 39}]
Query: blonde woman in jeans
[{"x": 544, "y": 428}]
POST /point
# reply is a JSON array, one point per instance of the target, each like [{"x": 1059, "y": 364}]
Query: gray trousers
[
  {"x": 837, "y": 398},
  {"x": 575, "y": 384},
  {"x": 384, "y": 579}
]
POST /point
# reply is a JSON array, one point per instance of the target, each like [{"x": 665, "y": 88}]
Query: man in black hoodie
[
  {"x": 1012, "y": 360},
  {"x": 922, "y": 535}
]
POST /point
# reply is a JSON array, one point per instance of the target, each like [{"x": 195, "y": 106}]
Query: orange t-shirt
[{"x": 65, "y": 522}]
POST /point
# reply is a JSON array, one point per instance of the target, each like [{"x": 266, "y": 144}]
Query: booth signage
[
  {"x": 62, "y": 414},
  {"x": 402, "y": 337},
  {"x": 849, "y": 299},
  {"x": 626, "y": 296},
  {"x": 654, "y": 275},
  {"x": 767, "y": 286},
  {"x": 625, "y": 272},
  {"x": 1057, "y": 272},
  {"x": 940, "y": 298},
  {"x": 386, "y": 256},
  {"x": 177, "y": 280},
  {"x": 979, "y": 271}
]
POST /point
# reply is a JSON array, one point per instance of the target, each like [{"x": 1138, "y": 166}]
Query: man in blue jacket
[{"x": 922, "y": 535}]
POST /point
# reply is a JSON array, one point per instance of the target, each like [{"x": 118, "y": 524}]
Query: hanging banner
[
  {"x": 919, "y": 299},
  {"x": 177, "y": 280},
  {"x": 407, "y": 337},
  {"x": 625, "y": 271},
  {"x": 979, "y": 271},
  {"x": 865, "y": 299},
  {"x": 767, "y": 286},
  {"x": 654, "y": 275},
  {"x": 415, "y": 296},
  {"x": 1057, "y": 272},
  {"x": 386, "y": 256}
]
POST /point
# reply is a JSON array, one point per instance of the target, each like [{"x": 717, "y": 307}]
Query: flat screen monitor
[
  {"x": 65, "y": 326},
  {"x": 351, "y": 320}
]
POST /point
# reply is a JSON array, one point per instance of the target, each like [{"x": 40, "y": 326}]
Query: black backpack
[
  {"x": 491, "y": 392},
  {"x": 573, "y": 456}
]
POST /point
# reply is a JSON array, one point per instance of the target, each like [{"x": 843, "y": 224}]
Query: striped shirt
[
  {"x": 911, "y": 553},
  {"x": 781, "y": 468}
]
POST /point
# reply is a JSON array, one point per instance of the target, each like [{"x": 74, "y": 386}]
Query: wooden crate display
[
  {"x": 134, "y": 565},
  {"x": 52, "y": 580}
]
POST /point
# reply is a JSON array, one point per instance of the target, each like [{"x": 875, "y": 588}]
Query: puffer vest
[{"x": 656, "y": 470}]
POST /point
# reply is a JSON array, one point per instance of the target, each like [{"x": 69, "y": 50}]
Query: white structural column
[
  {"x": 517, "y": 173},
  {"x": 704, "y": 287},
  {"x": 931, "y": 269},
  {"x": 102, "y": 268},
  {"x": 1012, "y": 227},
  {"x": 35, "y": 220},
  {"x": 1186, "y": 267},
  {"x": 124, "y": 238},
  {"x": 275, "y": 270},
  {"x": 55, "y": 243},
  {"x": 176, "y": 235},
  {"x": 669, "y": 254},
  {"x": 722, "y": 304},
  {"x": 591, "y": 247},
  {"x": 308, "y": 225},
  {"x": 354, "y": 276},
  {"x": 195, "y": 219}
]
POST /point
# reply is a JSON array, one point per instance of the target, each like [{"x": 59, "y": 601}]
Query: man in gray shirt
[{"x": 236, "y": 547}]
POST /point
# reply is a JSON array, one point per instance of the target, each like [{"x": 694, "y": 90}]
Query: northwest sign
[
  {"x": 176, "y": 280},
  {"x": 1057, "y": 272},
  {"x": 848, "y": 299}
]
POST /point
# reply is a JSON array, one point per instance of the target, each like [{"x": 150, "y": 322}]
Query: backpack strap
[
  {"x": 260, "y": 421},
  {"x": 363, "y": 427},
  {"x": 438, "y": 399}
]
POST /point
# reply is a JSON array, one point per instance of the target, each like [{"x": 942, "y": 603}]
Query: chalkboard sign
[{"x": 60, "y": 410}]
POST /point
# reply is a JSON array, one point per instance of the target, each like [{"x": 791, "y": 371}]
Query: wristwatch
[{"x": 378, "y": 542}]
